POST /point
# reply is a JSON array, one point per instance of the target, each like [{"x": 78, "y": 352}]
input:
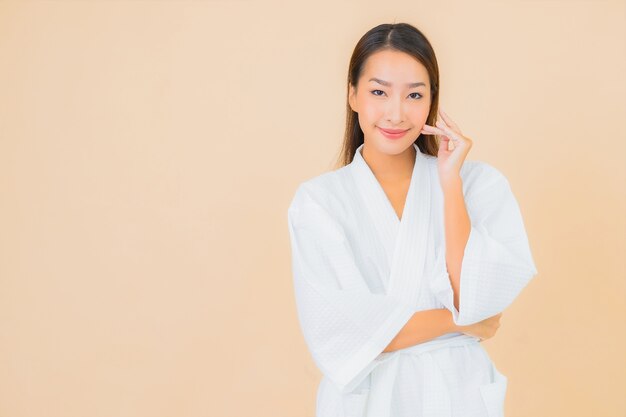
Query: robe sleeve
[
  {"x": 497, "y": 262},
  {"x": 344, "y": 324}
]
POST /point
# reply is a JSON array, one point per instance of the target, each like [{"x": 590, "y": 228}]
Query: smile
[{"x": 393, "y": 133}]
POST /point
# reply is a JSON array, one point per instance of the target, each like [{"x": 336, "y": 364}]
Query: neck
[{"x": 390, "y": 167}]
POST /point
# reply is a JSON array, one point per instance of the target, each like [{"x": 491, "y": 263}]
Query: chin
[{"x": 390, "y": 147}]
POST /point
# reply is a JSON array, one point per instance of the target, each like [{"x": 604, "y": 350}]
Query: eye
[{"x": 417, "y": 98}]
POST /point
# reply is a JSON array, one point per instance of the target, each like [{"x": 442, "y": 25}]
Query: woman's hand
[
  {"x": 483, "y": 329},
  {"x": 449, "y": 161}
]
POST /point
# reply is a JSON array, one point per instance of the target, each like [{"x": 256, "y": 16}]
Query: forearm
[
  {"x": 423, "y": 326},
  {"x": 457, "y": 231}
]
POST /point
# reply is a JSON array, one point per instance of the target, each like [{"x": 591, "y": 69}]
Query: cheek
[
  {"x": 372, "y": 110},
  {"x": 421, "y": 114}
]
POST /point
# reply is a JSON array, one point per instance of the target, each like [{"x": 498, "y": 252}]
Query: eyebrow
[{"x": 388, "y": 84}]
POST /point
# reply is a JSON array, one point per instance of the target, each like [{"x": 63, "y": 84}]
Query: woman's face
[{"x": 385, "y": 99}]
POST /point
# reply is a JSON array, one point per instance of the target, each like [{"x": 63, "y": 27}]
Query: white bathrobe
[{"x": 360, "y": 273}]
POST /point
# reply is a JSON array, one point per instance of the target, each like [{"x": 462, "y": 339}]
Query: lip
[{"x": 393, "y": 133}]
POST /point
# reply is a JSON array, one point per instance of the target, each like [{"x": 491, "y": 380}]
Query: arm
[
  {"x": 422, "y": 326},
  {"x": 496, "y": 262},
  {"x": 457, "y": 229}
]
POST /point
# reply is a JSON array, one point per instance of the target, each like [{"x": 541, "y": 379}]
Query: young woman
[{"x": 405, "y": 257}]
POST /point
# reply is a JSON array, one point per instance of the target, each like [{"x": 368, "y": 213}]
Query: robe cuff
[
  {"x": 491, "y": 277},
  {"x": 441, "y": 287}
]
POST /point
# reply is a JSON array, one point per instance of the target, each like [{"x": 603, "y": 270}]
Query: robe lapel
[
  {"x": 377, "y": 205},
  {"x": 405, "y": 241}
]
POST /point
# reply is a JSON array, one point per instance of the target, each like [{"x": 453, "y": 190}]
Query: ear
[{"x": 352, "y": 98}]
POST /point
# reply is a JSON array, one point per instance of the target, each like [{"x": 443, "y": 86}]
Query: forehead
[{"x": 394, "y": 66}]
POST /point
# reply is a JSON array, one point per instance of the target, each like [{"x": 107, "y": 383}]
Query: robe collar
[{"x": 405, "y": 240}]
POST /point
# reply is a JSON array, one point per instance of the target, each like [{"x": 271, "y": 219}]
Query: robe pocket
[
  {"x": 354, "y": 403},
  {"x": 494, "y": 393}
]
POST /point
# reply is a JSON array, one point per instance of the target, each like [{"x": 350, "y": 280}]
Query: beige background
[{"x": 149, "y": 151}]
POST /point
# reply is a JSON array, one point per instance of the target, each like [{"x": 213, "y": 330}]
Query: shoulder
[
  {"x": 322, "y": 193},
  {"x": 478, "y": 176},
  {"x": 485, "y": 188}
]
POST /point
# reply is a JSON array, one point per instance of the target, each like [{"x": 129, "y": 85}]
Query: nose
[{"x": 394, "y": 111}]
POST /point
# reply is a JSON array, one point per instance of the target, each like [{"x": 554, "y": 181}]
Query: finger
[
  {"x": 453, "y": 135},
  {"x": 434, "y": 132},
  {"x": 441, "y": 123},
  {"x": 449, "y": 121}
]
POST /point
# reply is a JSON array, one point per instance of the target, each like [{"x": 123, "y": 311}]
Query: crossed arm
[{"x": 423, "y": 326}]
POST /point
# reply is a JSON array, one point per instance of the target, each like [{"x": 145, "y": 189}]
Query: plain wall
[{"x": 149, "y": 151}]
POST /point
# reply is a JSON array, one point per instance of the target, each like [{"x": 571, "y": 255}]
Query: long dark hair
[{"x": 401, "y": 37}]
